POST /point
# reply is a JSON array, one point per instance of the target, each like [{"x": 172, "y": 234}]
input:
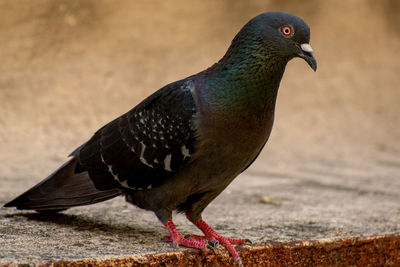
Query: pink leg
[
  {"x": 211, "y": 235},
  {"x": 211, "y": 239},
  {"x": 177, "y": 239}
]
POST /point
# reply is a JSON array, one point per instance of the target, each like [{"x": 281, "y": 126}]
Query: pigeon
[{"x": 183, "y": 145}]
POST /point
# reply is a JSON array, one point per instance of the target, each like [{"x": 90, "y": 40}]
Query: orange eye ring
[{"x": 286, "y": 31}]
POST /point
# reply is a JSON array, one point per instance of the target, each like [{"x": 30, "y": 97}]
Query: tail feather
[{"x": 61, "y": 190}]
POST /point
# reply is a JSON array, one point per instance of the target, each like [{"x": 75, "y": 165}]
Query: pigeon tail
[{"x": 63, "y": 189}]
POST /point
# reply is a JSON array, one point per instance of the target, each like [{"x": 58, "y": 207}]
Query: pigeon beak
[{"x": 306, "y": 53}]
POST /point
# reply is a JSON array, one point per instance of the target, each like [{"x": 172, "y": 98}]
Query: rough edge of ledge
[{"x": 375, "y": 250}]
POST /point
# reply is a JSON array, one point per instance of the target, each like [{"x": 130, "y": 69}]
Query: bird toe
[{"x": 247, "y": 241}]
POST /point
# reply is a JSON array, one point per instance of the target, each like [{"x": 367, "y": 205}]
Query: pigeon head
[{"x": 275, "y": 36}]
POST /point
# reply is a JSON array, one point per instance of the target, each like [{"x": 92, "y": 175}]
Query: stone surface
[
  {"x": 330, "y": 170},
  {"x": 366, "y": 251}
]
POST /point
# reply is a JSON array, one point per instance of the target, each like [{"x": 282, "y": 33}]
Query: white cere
[{"x": 306, "y": 48}]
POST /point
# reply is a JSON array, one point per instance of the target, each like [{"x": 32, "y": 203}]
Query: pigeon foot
[
  {"x": 202, "y": 242},
  {"x": 177, "y": 239},
  {"x": 216, "y": 242},
  {"x": 211, "y": 235}
]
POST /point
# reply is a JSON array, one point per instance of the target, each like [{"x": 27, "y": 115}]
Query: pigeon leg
[
  {"x": 177, "y": 239},
  {"x": 213, "y": 240},
  {"x": 211, "y": 235}
]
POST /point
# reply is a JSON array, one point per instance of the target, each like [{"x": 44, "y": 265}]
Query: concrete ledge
[{"x": 383, "y": 250}]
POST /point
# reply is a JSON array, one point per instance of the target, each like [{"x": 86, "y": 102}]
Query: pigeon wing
[{"x": 145, "y": 146}]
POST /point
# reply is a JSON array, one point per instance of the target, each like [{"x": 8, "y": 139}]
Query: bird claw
[
  {"x": 168, "y": 238},
  {"x": 210, "y": 240},
  {"x": 212, "y": 244},
  {"x": 175, "y": 244},
  {"x": 248, "y": 241}
]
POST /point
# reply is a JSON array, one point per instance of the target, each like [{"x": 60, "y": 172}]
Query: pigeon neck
[{"x": 246, "y": 81}]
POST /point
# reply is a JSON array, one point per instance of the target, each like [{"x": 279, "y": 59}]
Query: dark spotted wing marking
[{"x": 147, "y": 145}]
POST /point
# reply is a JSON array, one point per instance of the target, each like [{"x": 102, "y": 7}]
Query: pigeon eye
[{"x": 286, "y": 31}]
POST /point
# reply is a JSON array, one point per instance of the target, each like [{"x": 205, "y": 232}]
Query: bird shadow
[{"x": 83, "y": 223}]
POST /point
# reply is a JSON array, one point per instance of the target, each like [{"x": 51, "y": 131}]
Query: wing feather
[{"x": 147, "y": 145}]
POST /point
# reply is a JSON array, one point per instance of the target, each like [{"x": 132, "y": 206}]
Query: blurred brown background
[{"x": 332, "y": 164}]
